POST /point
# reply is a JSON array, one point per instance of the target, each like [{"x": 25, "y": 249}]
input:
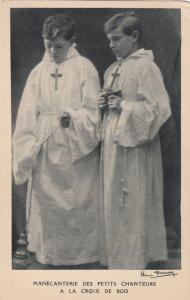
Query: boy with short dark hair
[{"x": 55, "y": 150}]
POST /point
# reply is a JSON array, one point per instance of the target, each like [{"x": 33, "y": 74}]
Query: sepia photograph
[{"x": 96, "y": 138}]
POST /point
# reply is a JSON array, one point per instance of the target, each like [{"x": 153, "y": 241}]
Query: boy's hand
[
  {"x": 114, "y": 102},
  {"x": 102, "y": 101},
  {"x": 65, "y": 119}
]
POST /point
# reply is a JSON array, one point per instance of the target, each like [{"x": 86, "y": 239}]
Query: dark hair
[
  {"x": 129, "y": 22},
  {"x": 58, "y": 25}
]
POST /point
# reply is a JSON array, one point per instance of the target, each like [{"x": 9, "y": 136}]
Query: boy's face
[
  {"x": 121, "y": 44},
  {"x": 57, "y": 48}
]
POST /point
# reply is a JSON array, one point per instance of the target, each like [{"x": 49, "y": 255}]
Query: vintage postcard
[{"x": 94, "y": 152}]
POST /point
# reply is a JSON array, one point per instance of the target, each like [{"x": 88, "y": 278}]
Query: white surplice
[
  {"x": 131, "y": 203},
  {"x": 60, "y": 164}
]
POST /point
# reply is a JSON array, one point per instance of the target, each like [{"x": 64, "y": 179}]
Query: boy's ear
[{"x": 135, "y": 35}]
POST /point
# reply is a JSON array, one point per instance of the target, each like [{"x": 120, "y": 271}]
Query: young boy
[
  {"x": 55, "y": 150},
  {"x": 131, "y": 206}
]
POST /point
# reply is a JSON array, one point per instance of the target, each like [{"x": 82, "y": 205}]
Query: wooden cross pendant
[
  {"x": 115, "y": 75},
  {"x": 56, "y": 76}
]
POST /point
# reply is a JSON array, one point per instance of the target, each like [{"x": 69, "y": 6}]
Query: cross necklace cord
[{"x": 56, "y": 75}]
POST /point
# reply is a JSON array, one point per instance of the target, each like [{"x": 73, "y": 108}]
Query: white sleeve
[
  {"x": 141, "y": 120},
  {"x": 25, "y": 144}
]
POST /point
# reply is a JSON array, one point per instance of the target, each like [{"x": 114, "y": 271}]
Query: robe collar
[
  {"x": 142, "y": 53},
  {"x": 138, "y": 54},
  {"x": 72, "y": 52}
]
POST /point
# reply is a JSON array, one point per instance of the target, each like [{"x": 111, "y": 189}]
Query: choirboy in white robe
[
  {"x": 60, "y": 164},
  {"x": 132, "y": 223}
]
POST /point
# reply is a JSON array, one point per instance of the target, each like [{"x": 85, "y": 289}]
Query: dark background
[{"x": 161, "y": 33}]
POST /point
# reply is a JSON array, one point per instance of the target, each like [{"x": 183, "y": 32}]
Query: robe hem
[
  {"x": 41, "y": 259},
  {"x": 113, "y": 265}
]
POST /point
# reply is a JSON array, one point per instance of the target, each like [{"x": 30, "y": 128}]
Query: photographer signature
[{"x": 156, "y": 274}]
